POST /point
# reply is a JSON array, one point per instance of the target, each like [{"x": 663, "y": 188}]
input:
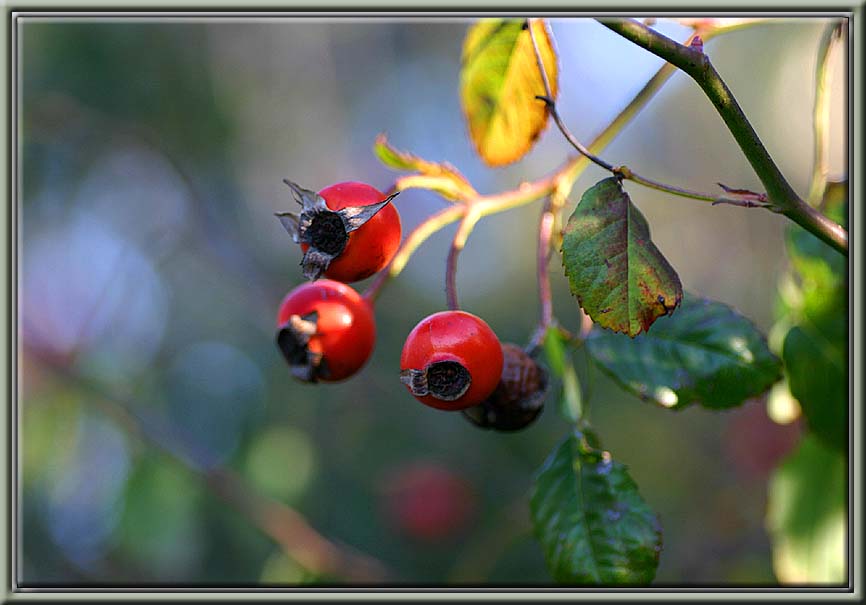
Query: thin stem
[
  {"x": 527, "y": 192},
  {"x": 284, "y": 525},
  {"x": 418, "y": 236},
  {"x": 550, "y": 218},
  {"x": 697, "y": 65},
  {"x": 829, "y": 42},
  {"x": 621, "y": 171},
  {"x": 545, "y": 231},
  {"x": 463, "y": 230},
  {"x": 551, "y": 106}
]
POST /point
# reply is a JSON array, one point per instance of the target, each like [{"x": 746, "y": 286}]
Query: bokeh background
[{"x": 151, "y": 267}]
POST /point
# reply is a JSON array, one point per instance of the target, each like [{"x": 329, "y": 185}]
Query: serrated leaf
[
  {"x": 443, "y": 177},
  {"x": 708, "y": 354},
  {"x": 616, "y": 272},
  {"x": 499, "y": 80},
  {"x": 592, "y": 523},
  {"x": 807, "y": 516}
]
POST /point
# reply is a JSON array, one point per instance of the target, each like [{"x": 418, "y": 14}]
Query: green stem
[
  {"x": 418, "y": 236},
  {"x": 697, "y": 65}
]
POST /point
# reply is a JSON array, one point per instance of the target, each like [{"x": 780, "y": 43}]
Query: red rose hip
[
  {"x": 451, "y": 360},
  {"x": 347, "y": 231},
  {"x": 326, "y": 331}
]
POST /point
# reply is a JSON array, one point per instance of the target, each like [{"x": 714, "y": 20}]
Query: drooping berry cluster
[{"x": 451, "y": 360}]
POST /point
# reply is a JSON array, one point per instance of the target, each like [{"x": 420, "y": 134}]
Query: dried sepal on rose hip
[
  {"x": 347, "y": 231},
  {"x": 325, "y": 331},
  {"x": 518, "y": 398},
  {"x": 451, "y": 360}
]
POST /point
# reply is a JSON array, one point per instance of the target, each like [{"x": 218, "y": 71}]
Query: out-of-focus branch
[
  {"x": 285, "y": 526},
  {"x": 821, "y": 124}
]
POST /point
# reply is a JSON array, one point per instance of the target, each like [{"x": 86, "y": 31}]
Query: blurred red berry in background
[{"x": 427, "y": 501}]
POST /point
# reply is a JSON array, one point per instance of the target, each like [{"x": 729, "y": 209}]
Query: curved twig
[{"x": 696, "y": 64}]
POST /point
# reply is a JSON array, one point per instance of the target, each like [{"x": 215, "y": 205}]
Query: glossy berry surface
[
  {"x": 372, "y": 246},
  {"x": 518, "y": 398},
  {"x": 451, "y": 360},
  {"x": 326, "y": 331}
]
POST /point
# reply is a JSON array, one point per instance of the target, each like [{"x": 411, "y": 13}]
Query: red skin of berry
[
  {"x": 371, "y": 247},
  {"x": 461, "y": 337},
  {"x": 427, "y": 501},
  {"x": 345, "y": 328}
]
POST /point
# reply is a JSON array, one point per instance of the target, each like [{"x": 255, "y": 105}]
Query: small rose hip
[
  {"x": 451, "y": 360},
  {"x": 326, "y": 331},
  {"x": 347, "y": 231}
]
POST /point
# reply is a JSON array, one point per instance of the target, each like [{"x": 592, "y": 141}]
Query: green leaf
[
  {"x": 617, "y": 274},
  {"x": 442, "y": 177},
  {"x": 590, "y": 519},
  {"x": 499, "y": 80},
  {"x": 815, "y": 349},
  {"x": 816, "y": 364},
  {"x": 562, "y": 367},
  {"x": 807, "y": 516},
  {"x": 708, "y": 354},
  {"x": 819, "y": 267}
]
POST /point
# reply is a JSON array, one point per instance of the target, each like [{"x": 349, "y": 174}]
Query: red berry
[
  {"x": 326, "y": 331},
  {"x": 518, "y": 398},
  {"x": 427, "y": 501},
  {"x": 348, "y": 231},
  {"x": 451, "y": 360}
]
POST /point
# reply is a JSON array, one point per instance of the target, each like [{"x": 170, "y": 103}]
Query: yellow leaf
[{"x": 499, "y": 80}]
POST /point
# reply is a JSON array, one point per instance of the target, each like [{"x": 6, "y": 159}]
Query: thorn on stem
[{"x": 547, "y": 100}]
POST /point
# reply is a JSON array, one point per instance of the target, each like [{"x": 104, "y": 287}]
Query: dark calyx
[
  {"x": 293, "y": 339},
  {"x": 444, "y": 380},
  {"x": 447, "y": 380},
  {"x": 324, "y": 230},
  {"x": 327, "y": 232}
]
